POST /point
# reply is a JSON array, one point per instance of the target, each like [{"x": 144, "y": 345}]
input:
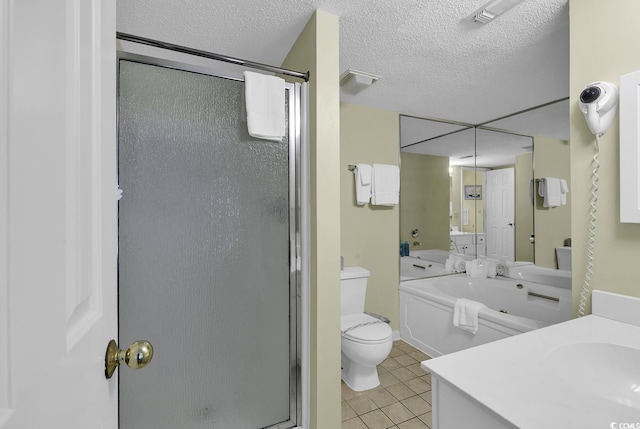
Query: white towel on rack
[
  {"x": 465, "y": 314},
  {"x": 549, "y": 188},
  {"x": 264, "y": 99},
  {"x": 362, "y": 176},
  {"x": 564, "y": 190},
  {"x": 385, "y": 185}
]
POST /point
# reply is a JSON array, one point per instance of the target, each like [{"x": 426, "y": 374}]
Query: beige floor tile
[
  {"x": 381, "y": 370},
  {"x": 426, "y": 378},
  {"x": 405, "y": 360},
  {"x": 426, "y": 419},
  {"x": 377, "y": 420},
  {"x": 388, "y": 379},
  {"x": 382, "y": 397},
  {"x": 354, "y": 424},
  {"x": 418, "y": 385},
  {"x": 404, "y": 347},
  {"x": 362, "y": 405},
  {"x": 347, "y": 393},
  {"x": 347, "y": 411},
  {"x": 403, "y": 374},
  {"x": 419, "y": 356},
  {"x": 417, "y": 405},
  {"x": 427, "y": 397},
  {"x": 395, "y": 352},
  {"x": 401, "y": 391},
  {"x": 391, "y": 364},
  {"x": 413, "y": 424},
  {"x": 398, "y": 413},
  {"x": 417, "y": 369}
]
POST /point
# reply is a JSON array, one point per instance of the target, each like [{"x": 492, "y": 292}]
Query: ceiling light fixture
[
  {"x": 353, "y": 81},
  {"x": 492, "y": 10}
]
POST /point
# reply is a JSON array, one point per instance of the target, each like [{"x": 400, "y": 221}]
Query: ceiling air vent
[
  {"x": 484, "y": 16},
  {"x": 492, "y": 10}
]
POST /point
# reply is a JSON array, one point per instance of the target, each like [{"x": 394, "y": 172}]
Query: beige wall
[
  {"x": 369, "y": 234},
  {"x": 553, "y": 225},
  {"x": 317, "y": 50},
  {"x": 617, "y": 245},
  {"x": 424, "y": 200},
  {"x": 523, "y": 207}
]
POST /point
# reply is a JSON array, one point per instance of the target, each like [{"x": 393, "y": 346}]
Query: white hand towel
[
  {"x": 549, "y": 189},
  {"x": 362, "y": 174},
  {"x": 264, "y": 98},
  {"x": 564, "y": 190},
  {"x": 465, "y": 314},
  {"x": 385, "y": 185}
]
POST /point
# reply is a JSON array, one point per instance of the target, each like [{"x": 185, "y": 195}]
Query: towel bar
[{"x": 351, "y": 167}]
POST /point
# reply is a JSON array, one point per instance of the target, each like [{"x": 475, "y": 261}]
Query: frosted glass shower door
[{"x": 204, "y": 256}]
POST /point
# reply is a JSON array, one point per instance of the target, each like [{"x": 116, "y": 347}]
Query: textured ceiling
[{"x": 432, "y": 62}]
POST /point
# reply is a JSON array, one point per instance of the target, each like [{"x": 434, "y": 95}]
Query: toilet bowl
[{"x": 365, "y": 340}]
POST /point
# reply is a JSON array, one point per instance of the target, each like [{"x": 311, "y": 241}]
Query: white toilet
[
  {"x": 563, "y": 254},
  {"x": 366, "y": 340}
]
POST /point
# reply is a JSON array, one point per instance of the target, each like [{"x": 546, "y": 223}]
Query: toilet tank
[
  {"x": 353, "y": 290},
  {"x": 563, "y": 254}
]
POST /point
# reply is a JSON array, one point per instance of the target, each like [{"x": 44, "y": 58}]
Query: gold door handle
[{"x": 137, "y": 356}]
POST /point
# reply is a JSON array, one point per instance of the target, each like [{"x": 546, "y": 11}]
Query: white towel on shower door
[
  {"x": 264, "y": 98},
  {"x": 465, "y": 314}
]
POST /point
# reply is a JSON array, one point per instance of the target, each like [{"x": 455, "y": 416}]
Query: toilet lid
[{"x": 375, "y": 332}]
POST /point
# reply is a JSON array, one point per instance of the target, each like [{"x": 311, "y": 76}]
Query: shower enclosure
[{"x": 208, "y": 253}]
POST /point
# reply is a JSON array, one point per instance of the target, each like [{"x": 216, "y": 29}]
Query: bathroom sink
[{"x": 606, "y": 370}]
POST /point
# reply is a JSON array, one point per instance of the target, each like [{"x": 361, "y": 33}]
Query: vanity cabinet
[
  {"x": 453, "y": 409},
  {"x": 468, "y": 243}
]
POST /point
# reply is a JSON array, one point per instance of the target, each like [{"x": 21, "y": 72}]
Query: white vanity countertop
[{"x": 516, "y": 379}]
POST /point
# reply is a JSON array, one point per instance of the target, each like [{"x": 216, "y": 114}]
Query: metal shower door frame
[{"x": 298, "y": 228}]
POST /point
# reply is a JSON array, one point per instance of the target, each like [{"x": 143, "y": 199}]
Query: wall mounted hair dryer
[{"x": 598, "y": 102}]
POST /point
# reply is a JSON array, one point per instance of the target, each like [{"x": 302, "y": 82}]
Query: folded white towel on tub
[
  {"x": 465, "y": 314},
  {"x": 455, "y": 264}
]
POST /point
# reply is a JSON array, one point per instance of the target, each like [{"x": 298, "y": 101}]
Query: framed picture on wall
[{"x": 472, "y": 192}]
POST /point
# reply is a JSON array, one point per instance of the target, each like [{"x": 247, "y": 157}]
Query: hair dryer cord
[{"x": 591, "y": 240}]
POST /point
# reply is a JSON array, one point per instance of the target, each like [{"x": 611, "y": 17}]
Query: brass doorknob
[{"x": 137, "y": 356}]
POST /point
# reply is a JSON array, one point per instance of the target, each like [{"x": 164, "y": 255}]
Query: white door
[
  {"x": 57, "y": 213},
  {"x": 499, "y": 214}
]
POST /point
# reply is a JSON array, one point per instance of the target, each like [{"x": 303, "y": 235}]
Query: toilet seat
[{"x": 376, "y": 332}]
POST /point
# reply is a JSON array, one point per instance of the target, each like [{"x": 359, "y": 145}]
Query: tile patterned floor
[{"x": 403, "y": 399}]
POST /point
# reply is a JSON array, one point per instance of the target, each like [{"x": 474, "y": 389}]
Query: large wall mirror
[{"x": 473, "y": 190}]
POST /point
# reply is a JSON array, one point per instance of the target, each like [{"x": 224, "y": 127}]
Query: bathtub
[
  {"x": 514, "y": 306},
  {"x": 415, "y": 268},
  {"x": 424, "y": 263}
]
